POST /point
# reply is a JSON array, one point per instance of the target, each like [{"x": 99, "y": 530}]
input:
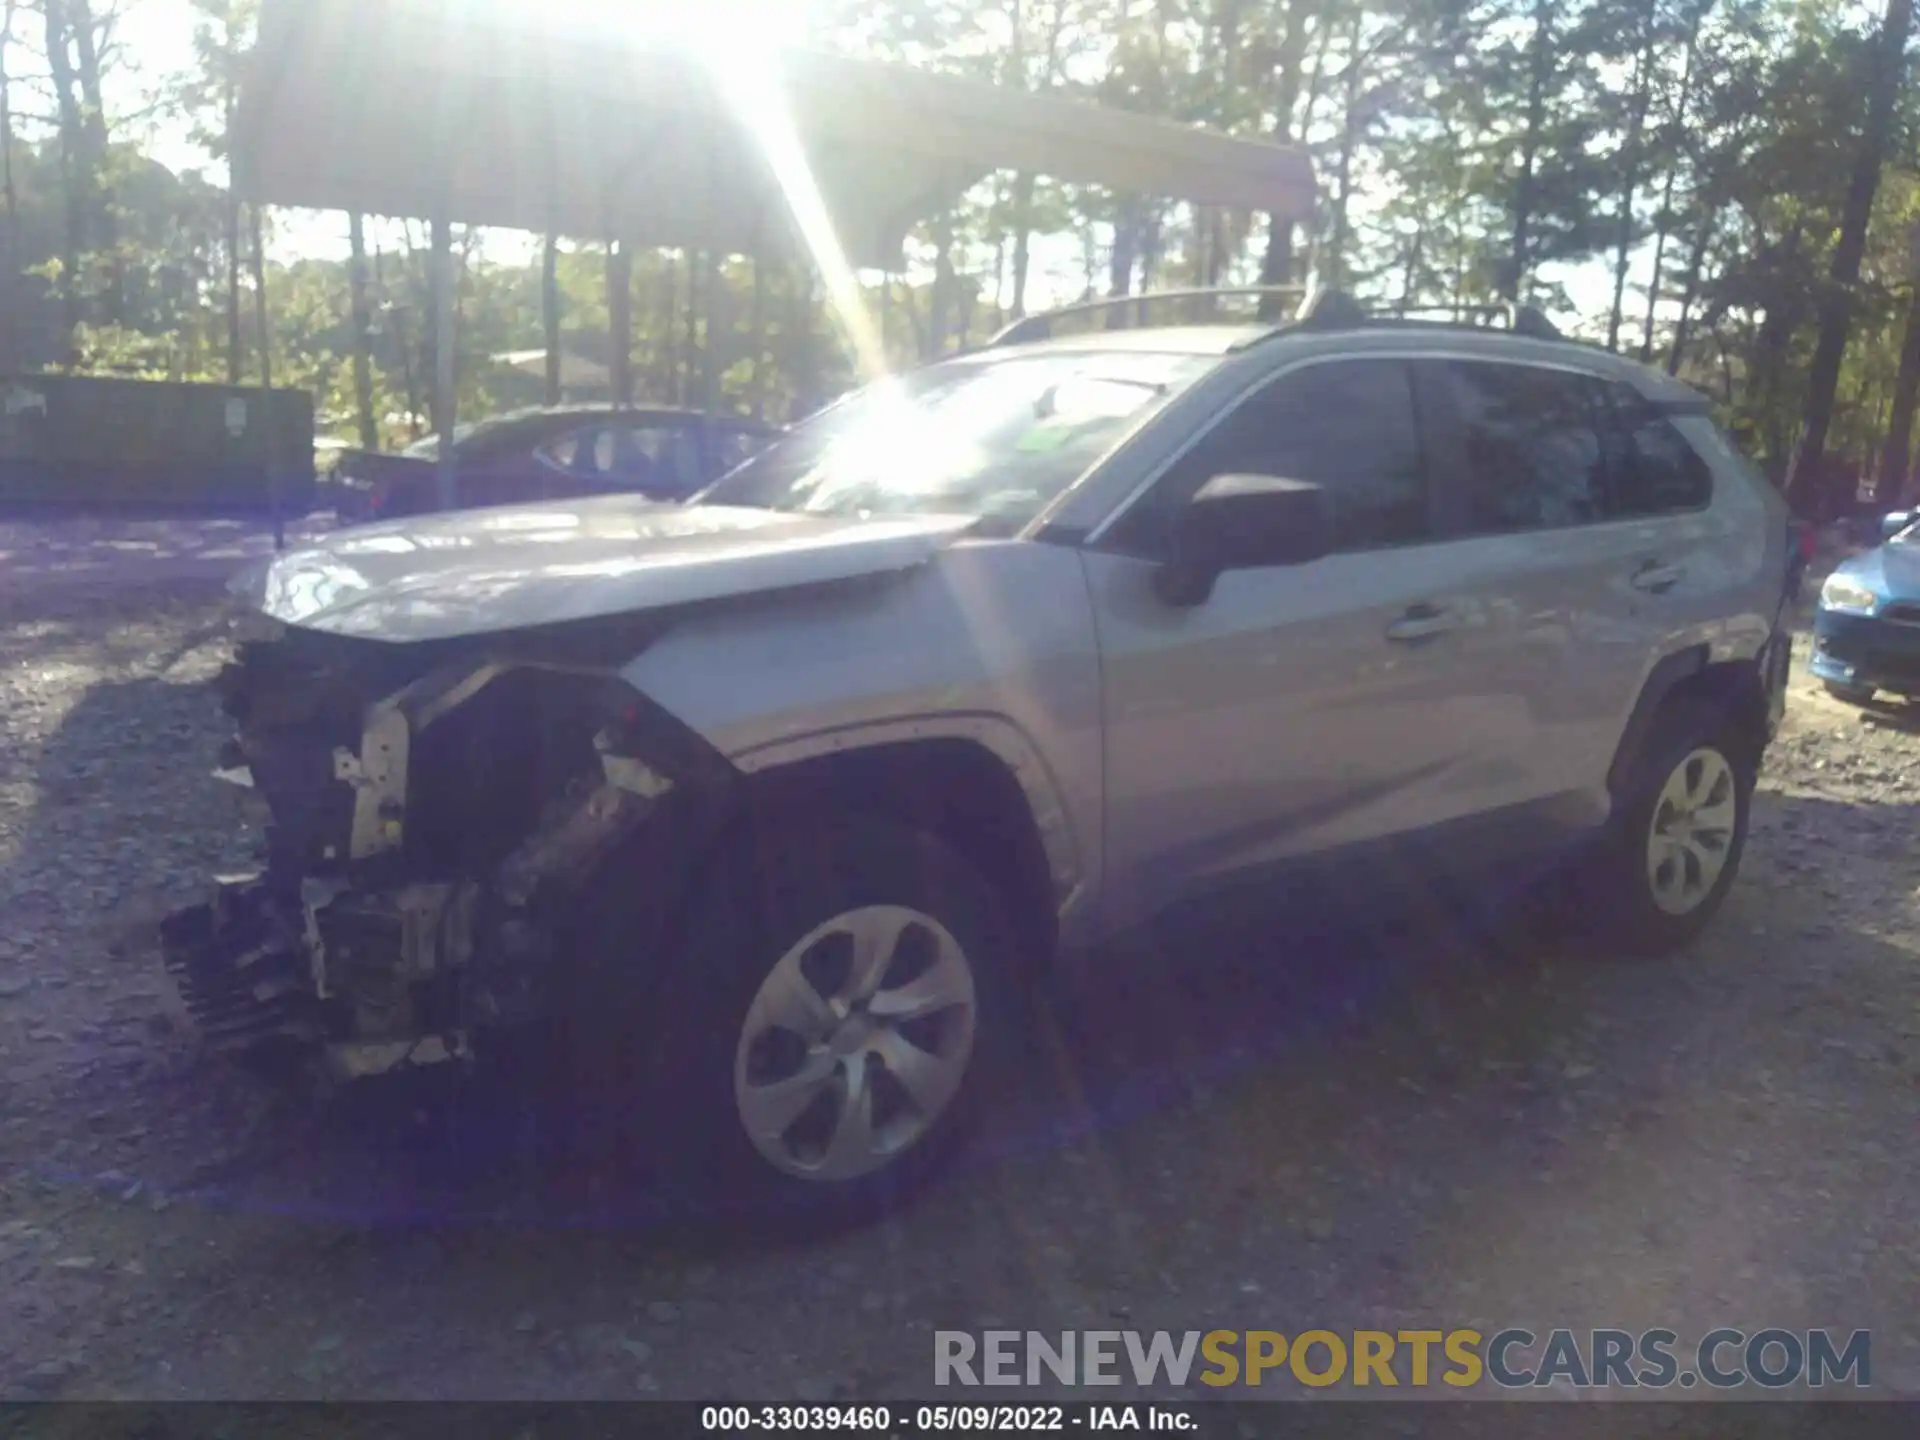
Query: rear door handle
[
  {"x": 1422, "y": 622},
  {"x": 1656, "y": 578}
]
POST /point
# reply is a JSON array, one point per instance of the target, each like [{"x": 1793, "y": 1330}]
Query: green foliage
[{"x": 1466, "y": 149}]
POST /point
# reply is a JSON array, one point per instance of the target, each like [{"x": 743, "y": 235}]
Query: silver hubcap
[
  {"x": 1692, "y": 831},
  {"x": 855, "y": 1043}
]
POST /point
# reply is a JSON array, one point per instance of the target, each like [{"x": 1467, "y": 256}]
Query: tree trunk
[
  {"x": 942, "y": 285},
  {"x": 1000, "y": 238},
  {"x": 1836, "y": 304},
  {"x": 236, "y": 349},
  {"x": 263, "y": 337},
  {"x": 1022, "y": 238},
  {"x": 362, "y": 330},
  {"x": 1123, "y": 256},
  {"x": 1335, "y": 269},
  {"x": 914, "y": 323},
  {"x": 669, "y": 384},
  {"x": 1276, "y": 265},
  {"x": 1665, "y": 219},
  {"x": 73, "y": 168},
  {"x": 550, "y": 313},
  {"x": 1540, "y": 68},
  {"x": 10, "y": 349},
  {"x": 691, "y": 363},
  {"x": 757, "y": 324},
  {"x": 807, "y": 395},
  {"x": 94, "y": 131},
  {"x": 1690, "y": 289},
  {"x": 1895, "y": 454},
  {"x": 1642, "y": 92},
  {"x": 400, "y": 340},
  {"x": 1151, "y": 243},
  {"x": 1410, "y": 285},
  {"x": 1023, "y": 182}
]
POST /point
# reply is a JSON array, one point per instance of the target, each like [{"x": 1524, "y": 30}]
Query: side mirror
[
  {"x": 1243, "y": 522},
  {"x": 1891, "y": 525}
]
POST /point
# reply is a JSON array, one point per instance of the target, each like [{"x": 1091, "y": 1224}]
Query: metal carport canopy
[{"x": 493, "y": 112}]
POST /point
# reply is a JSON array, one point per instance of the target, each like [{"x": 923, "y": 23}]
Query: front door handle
[
  {"x": 1656, "y": 578},
  {"x": 1422, "y": 622}
]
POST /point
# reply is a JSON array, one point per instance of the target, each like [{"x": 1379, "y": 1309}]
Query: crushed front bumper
[
  {"x": 371, "y": 940},
  {"x": 364, "y": 983}
]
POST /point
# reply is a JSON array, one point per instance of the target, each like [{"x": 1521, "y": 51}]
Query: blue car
[{"x": 1866, "y": 632}]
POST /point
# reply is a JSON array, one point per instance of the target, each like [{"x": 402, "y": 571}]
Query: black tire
[
  {"x": 772, "y": 886},
  {"x": 1618, "y": 892},
  {"x": 1850, "y": 694}
]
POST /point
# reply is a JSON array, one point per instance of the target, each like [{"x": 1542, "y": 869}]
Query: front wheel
[
  {"x": 1850, "y": 694},
  {"x": 830, "y": 1023},
  {"x": 1679, "y": 829}
]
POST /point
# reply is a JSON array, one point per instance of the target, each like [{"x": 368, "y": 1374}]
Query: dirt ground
[{"x": 1282, "y": 1132}]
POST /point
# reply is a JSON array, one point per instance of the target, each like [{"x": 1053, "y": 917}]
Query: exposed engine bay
[{"x": 437, "y": 812}]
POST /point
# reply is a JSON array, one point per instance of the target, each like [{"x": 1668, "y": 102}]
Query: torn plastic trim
[
  {"x": 378, "y": 772},
  {"x": 360, "y": 1059},
  {"x": 380, "y": 969}
]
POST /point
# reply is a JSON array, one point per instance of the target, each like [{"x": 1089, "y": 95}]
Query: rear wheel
[
  {"x": 1678, "y": 832},
  {"x": 832, "y": 1020},
  {"x": 1851, "y": 694}
]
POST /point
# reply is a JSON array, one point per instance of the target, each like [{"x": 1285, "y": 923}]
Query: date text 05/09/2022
[{"x": 942, "y": 1419}]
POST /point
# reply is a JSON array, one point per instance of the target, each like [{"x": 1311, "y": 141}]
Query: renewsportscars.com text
[{"x": 1513, "y": 1358}]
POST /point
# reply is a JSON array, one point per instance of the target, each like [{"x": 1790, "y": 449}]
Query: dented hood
[{"x": 486, "y": 571}]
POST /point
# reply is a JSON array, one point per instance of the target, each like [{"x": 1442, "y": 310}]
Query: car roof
[{"x": 1398, "y": 337}]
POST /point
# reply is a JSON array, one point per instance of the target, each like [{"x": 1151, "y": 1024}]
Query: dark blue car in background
[{"x": 1866, "y": 631}]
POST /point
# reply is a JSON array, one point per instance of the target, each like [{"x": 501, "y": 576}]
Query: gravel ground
[{"x": 1354, "y": 1134}]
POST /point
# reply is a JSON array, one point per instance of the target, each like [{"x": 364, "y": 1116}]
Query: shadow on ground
[
  {"x": 1410, "y": 1006},
  {"x": 1453, "y": 994}
]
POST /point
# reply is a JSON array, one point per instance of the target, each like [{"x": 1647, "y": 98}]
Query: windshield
[
  {"x": 999, "y": 438},
  {"x": 427, "y": 447}
]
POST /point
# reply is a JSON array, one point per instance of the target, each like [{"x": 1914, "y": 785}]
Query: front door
[{"x": 1300, "y": 709}]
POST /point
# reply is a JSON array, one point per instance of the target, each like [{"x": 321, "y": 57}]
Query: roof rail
[
  {"x": 1329, "y": 309},
  {"x": 1320, "y": 308},
  {"x": 1528, "y": 320},
  {"x": 1123, "y": 309}
]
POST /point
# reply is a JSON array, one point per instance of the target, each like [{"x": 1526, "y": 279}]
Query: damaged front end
[{"x": 439, "y": 815}]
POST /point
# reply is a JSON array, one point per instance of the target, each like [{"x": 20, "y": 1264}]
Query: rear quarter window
[{"x": 1656, "y": 470}]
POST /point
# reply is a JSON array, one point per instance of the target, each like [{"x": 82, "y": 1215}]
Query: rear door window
[{"x": 1530, "y": 454}]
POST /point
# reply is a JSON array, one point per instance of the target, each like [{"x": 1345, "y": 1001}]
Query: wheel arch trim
[
  {"x": 1669, "y": 674},
  {"x": 998, "y": 735}
]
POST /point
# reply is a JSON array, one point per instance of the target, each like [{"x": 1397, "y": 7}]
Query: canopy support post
[
  {"x": 620, "y": 320},
  {"x": 550, "y": 314},
  {"x": 710, "y": 282},
  {"x": 440, "y": 282},
  {"x": 757, "y": 385},
  {"x": 263, "y": 337}
]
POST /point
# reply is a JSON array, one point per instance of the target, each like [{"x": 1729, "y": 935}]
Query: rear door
[
  {"x": 1529, "y": 463},
  {"x": 1301, "y": 709}
]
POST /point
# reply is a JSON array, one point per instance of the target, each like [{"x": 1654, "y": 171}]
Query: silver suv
[{"x": 785, "y": 796}]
